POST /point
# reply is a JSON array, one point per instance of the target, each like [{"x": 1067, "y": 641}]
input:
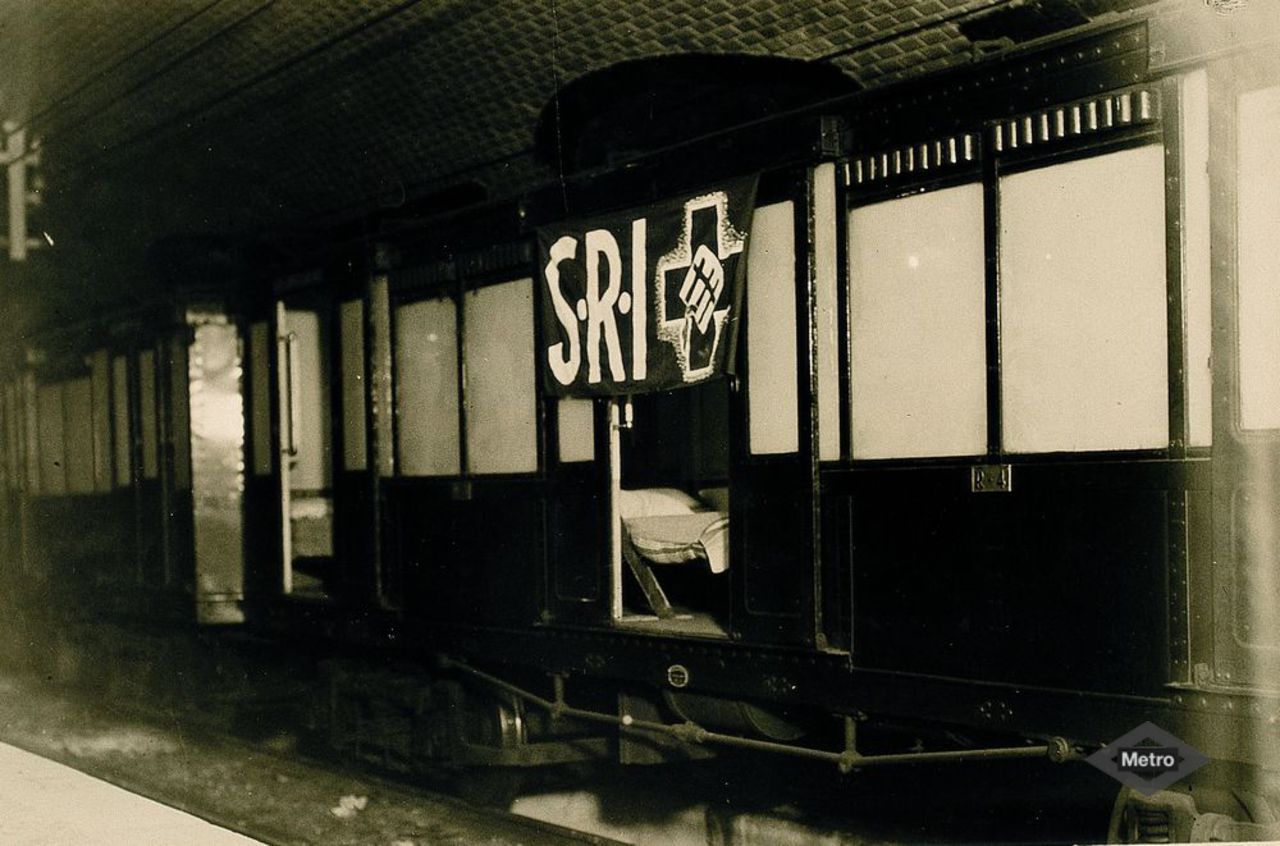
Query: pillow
[
  {"x": 717, "y": 498},
  {"x": 656, "y": 502},
  {"x": 678, "y": 538}
]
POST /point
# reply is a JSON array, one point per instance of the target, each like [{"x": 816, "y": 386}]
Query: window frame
[
  {"x": 991, "y": 157},
  {"x": 454, "y": 279},
  {"x": 1236, "y": 354},
  {"x": 1174, "y": 331},
  {"x": 964, "y": 178}
]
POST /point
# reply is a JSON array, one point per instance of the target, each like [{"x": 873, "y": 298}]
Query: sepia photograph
[{"x": 719, "y": 423}]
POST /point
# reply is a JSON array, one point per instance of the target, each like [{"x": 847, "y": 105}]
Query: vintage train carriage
[
  {"x": 986, "y": 438},
  {"x": 121, "y": 463},
  {"x": 995, "y": 385}
]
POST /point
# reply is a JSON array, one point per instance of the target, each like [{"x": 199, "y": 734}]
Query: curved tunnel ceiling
[{"x": 225, "y": 116}]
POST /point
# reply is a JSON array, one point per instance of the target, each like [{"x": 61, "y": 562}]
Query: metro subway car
[{"x": 951, "y": 405}]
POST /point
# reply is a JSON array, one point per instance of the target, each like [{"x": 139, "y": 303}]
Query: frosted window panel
[
  {"x": 120, "y": 420},
  {"x": 501, "y": 404},
  {"x": 260, "y": 396},
  {"x": 77, "y": 432},
  {"x": 50, "y": 441},
  {"x": 1197, "y": 301},
  {"x": 771, "y": 331},
  {"x": 100, "y": 376},
  {"x": 828, "y": 328},
  {"x": 1083, "y": 340},
  {"x": 312, "y": 468},
  {"x": 918, "y": 326},
  {"x": 354, "y": 446},
  {"x": 426, "y": 387},
  {"x": 1259, "y": 258},
  {"x": 576, "y": 418},
  {"x": 147, "y": 420}
]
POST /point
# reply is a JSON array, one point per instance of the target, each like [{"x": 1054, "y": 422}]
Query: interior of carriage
[{"x": 674, "y": 511}]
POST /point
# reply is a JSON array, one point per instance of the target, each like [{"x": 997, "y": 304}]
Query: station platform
[{"x": 49, "y": 804}]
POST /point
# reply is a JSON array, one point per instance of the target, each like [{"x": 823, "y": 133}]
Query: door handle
[{"x": 288, "y": 345}]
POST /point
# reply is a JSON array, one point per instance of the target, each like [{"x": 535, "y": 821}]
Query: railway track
[{"x": 267, "y": 791}]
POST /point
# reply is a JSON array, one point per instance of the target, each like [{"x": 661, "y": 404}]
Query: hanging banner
[{"x": 644, "y": 300}]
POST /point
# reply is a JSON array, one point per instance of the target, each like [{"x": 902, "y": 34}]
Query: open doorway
[
  {"x": 304, "y": 332},
  {"x": 671, "y": 568}
]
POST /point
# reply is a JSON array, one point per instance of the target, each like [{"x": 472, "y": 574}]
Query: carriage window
[
  {"x": 1198, "y": 302},
  {"x": 77, "y": 433},
  {"x": 917, "y": 317},
  {"x": 51, "y": 444},
  {"x": 120, "y": 420},
  {"x": 1083, "y": 338},
  {"x": 1258, "y": 212},
  {"x": 771, "y": 331},
  {"x": 147, "y": 413},
  {"x": 426, "y": 386},
  {"x": 576, "y": 419},
  {"x": 828, "y": 338},
  {"x": 100, "y": 374},
  {"x": 260, "y": 396},
  {"x": 354, "y": 447},
  {"x": 501, "y": 406}
]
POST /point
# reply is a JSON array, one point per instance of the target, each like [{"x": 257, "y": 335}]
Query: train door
[
  {"x": 709, "y": 486},
  {"x": 119, "y": 465},
  {"x": 360, "y": 312},
  {"x": 577, "y": 587},
  {"x": 136, "y": 450},
  {"x": 773, "y": 475},
  {"x": 736, "y": 451},
  {"x": 671, "y": 454},
  {"x": 309, "y": 481},
  {"x": 1245, "y": 170},
  {"x": 466, "y": 511},
  {"x": 148, "y": 494},
  {"x": 264, "y": 572},
  {"x": 304, "y": 334},
  {"x": 216, "y": 423}
]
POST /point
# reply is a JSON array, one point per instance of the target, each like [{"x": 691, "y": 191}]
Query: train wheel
[{"x": 1178, "y": 816}]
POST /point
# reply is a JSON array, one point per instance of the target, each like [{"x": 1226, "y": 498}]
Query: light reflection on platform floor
[{"x": 45, "y": 803}]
